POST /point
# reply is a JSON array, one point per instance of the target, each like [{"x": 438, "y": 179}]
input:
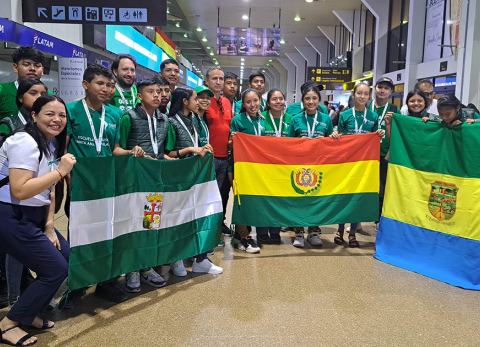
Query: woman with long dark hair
[{"x": 31, "y": 163}]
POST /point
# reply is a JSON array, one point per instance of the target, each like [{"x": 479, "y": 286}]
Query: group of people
[{"x": 42, "y": 137}]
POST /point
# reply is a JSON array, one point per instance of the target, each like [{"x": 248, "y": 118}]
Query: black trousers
[{"x": 22, "y": 237}]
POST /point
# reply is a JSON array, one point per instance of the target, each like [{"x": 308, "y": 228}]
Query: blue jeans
[{"x": 14, "y": 273}]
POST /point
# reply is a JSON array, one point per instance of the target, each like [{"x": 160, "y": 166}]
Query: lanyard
[
  {"x": 98, "y": 140},
  {"x": 278, "y": 132},
  {"x": 153, "y": 132},
  {"x": 311, "y": 131},
  {"x": 16, "y": 84},
  {"x": 22, "y": 119},
  {"x": 194, "y": 141},
  {"x": 258, "y": 129},
  {"x": 122, "y": 96},
  {"x": 204, "y": 127},
  {"x": 357, "y": 128},
  {"x": 380, "y": 120}
]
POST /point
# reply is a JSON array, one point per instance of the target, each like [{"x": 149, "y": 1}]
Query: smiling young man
[
  {"x": 170, "y": 70},
  {"x": 256, "y": 81},
  {"x": 27, "y": 64},
  {"x": 230, "y": 88},
  {"x": 124, "y": 70}
]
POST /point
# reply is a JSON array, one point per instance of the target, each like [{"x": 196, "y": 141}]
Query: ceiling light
[
  {"x": 282, "y": 41},
  {"x": 297, "y": 18},
  {"x": 204, "y": 39},
  {"x": 242, "y": 59},
  {"x": 263, "y": 70},
  {"x": 216, "y": 63},
  {"x": 177, "y": 24},
  {"x": 168, "y": 10},
  {"x": 199, "y": 29},
  {"x": 211, "y": 53},
  {"x": 208, "y": 47},
  {"x": 185, "y": 35},
  {"x": 245, "y": 17},
  {"x": 242, "y": 63},
  {"x": 308, "y": 1},
  {"x": 269, "y": 60}
]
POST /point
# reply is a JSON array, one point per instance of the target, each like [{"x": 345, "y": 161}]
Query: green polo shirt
[
  {"x": 298, "y": 126},
  {"x": 270, "y": 129},
  {"x": 130, "y": 99},
  {"x": 82, "y": 143},
  {"x": 385, "y": 143},
  {"x": 238, "y": 106},
  {"x": 8, "y": 95},
  {"x": 346, "y": 122},
  {"x": 297, "y": 107},
  {"x": 202, "y": 129},
  {"x": 241, "y": 124}
]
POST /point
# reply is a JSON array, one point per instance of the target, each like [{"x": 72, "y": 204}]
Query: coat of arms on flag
[
  {"x": 152, "y": 211},
  {"x": 442, "y": 202}
]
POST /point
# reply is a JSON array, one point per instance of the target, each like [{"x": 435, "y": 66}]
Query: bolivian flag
[
  {"x": 305, "y": 182},
  {"x": 431, "y": 213}
]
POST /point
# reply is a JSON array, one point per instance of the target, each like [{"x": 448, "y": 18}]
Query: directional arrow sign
[{"x": 42, "y": 11}]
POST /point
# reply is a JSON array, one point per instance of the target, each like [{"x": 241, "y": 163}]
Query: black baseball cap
[
  {"x": 449, "y": 100},
  {"x": 309, "y": 84},
  {"x": 385, "y": 80}
]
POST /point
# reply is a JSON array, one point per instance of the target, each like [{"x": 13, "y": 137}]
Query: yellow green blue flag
[{"x": 431, "y": 216}]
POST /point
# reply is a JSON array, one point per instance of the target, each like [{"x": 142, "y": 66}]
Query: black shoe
[
  {"x": 110, "y": 292},
  {"x": 262, "y": 239},
  {"x": 67, "y": 299},
  {"x": 226, "y": 230},
  {"x": 275, "y": 239}
]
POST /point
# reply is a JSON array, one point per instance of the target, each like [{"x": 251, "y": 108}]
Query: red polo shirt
[{"x": 218, "y": 116}]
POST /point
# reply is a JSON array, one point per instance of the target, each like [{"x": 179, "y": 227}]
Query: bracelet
[{"x": 61, "y": 176}]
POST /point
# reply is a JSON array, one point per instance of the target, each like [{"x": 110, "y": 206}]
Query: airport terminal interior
[{"x": 263, "y": 214}]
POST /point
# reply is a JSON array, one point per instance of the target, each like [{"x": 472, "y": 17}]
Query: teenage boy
[
  {"x": 27, "y": 64},
  {"x": 143, "y": 132},
  {"x": 381, "y": 106},
  {"x": 124, "y": 69},
  {"x": 91, "y": 130},
  {"x": 297, "y": 107},
  {"x": 230, "y": 87},
  {"x": 165, "y": 94},
  {"x": 256, "y": 81}
]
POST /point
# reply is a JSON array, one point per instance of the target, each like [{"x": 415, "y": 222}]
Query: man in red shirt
[{"x": 218, "y": 117}]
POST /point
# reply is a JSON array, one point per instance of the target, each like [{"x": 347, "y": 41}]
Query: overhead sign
[
  {"x": 138, "y": 12},
  {"x": 329, "y": 74},
  {"x": 122, "y": 39},
  {"x": 25, "y": 36},
  {"x": 248, "y": 41},
  {"x": 193, "y": 80}
]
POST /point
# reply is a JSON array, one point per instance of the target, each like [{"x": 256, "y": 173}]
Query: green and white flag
[{"x": 131, "y": 213}]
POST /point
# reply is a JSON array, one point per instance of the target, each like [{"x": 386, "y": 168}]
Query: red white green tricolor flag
[
  {"x": 131, "y": 213},
  {"x": 305, "y": 182}
]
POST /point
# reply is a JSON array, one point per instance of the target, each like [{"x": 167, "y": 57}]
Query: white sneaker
[
  {"x": 299, "y": 241},
  {"x": 250, "y": 246},
  {"x": 178, "y": 269},
  {"x": 206, "y": 266},
  {"x": 152, "y": 278},
  {"x": 133, "y": 282},
  {"x": 314, "y": 240}
]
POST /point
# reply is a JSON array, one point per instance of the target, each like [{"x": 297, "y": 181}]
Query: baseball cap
[
  {"x": 385, "y": 80},
  {"x": 201, "y": 89}
]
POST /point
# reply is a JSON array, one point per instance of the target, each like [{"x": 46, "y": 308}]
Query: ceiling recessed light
[
  {"x": 211, "y": 53},
  {"x": 208, "y": 47},
  {"x": 269, "y": 60},
  {"x": 177, "y": 24},
  {"x": 242, "y": 59},
  {"x": 185, "y": 35},
  {"x": 216, "y": 63},
  {"x": 282, "y": 41},
  {"x": 308, "y": 1},
  {"x": 199, "y": 29},
  {"x": 245, "y": 17},
  {"x": 204, "y": 39},
  {"x": 297, "y": 18}
]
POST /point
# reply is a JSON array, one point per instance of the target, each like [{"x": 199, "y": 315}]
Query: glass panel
[{"x": 395, "y": 13}]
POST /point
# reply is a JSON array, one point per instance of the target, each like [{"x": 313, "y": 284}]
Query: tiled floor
[
  {"x": 284, "y": 296},
  {"x": 334, "y": 296}
]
